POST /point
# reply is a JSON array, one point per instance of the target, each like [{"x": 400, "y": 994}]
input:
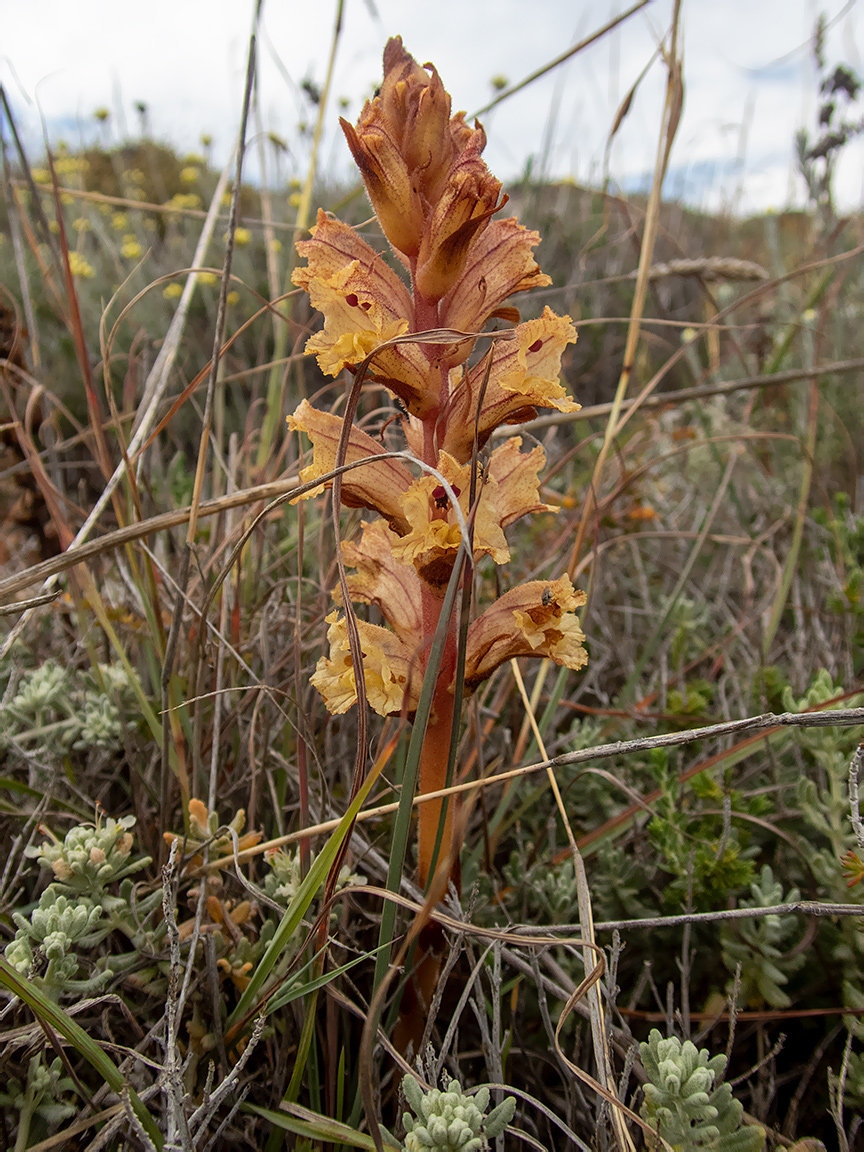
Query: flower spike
[{"x": 453, "y": 266}]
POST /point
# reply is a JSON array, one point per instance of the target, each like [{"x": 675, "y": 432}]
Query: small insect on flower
[{"x": 546, "y": 598}]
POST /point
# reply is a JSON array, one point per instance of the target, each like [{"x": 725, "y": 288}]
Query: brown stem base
[{"x": 419, "y": 991}]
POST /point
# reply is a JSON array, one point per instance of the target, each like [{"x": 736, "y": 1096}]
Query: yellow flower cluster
[
  {"x": 130, "y": 248},
  {"x": 70, "y": 165},
  {"x": 184, "y": 200},
  {"x": 80, "y": 267}
]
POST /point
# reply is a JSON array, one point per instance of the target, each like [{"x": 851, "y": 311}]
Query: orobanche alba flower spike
[{"x": 455, "y": 263}]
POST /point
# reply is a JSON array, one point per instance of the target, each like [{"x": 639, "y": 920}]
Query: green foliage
[
  {"x": 693, "y": 699},
  {"x": 75, "y": 913},
  {"x": 61, "y": 709},
  {"x": 90, "y": 856},
  {"x": 683, "y": 1106},
  {"x": 847, "y": 598},
  {"x": 829, "y": 838},
  {"x": 47, "y": 942},
  {"x": 550, "y": 890},
  {"x": 619, "y": 880},
  {"x": 708, "y": 861},
  {"x": 450, "y": 1121},
  {"x": 824, "y": 801},
  {"x": 39, "y": 1097},
  {"x": 757, "y": 945}
]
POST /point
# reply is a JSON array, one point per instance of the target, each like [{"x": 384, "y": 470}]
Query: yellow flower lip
[
  {"x": 364, "y": 303},
  {"x": 509, "y": 490},
  {"x": 391, "y": 674}
]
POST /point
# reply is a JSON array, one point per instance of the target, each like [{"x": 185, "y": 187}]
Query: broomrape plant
[{"x": 438, "y": 206}]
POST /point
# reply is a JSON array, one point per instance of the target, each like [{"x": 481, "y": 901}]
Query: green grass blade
[
  {"x": 298, "y": 990},
  {"x": 305, "y": 894},
  {"x": 313, "y": 1126},
  {"x": 54, "y": 1015},
  {"x": 399, "y": 843}
]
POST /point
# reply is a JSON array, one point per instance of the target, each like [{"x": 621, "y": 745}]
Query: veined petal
[
  {"x": 364, "y": 303},
  {"x": 533, "y": 619},
  {"x": 379, "y": 485},
  {"x": 524, "y": 377},
  {"x": 393, "y": 587},
  {"x": 465, "y": 207},
  {"x": 517, "y": 476},
  {"x": 354, "y": 324},
  {"x": 333, "y": 245},
  {"x": 389, "y": 669},
  {"x": 388, "y": 182},
  {"x": 500, "y": 262}
]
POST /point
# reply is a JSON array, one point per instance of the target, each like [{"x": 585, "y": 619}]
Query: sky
[{"x": 750, "y": 82}]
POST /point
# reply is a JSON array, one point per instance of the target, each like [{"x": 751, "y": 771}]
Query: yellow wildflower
[
  {"x": 130, "y": 248},
  {"x": 79, "y": 266},
  {"x": 189, "y": 200},
  {"x": 523, "y": 377},
  {"x": 242, "y": 236}
]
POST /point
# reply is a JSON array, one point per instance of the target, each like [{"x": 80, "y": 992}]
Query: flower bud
[{"x": 385, "y": 174}]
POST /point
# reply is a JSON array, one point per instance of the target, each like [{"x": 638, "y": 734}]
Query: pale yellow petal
[
  {"x": 524, "y": 376},
  {"x": 389, "y": 669}
]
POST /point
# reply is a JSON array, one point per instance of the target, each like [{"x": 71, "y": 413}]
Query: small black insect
[
  {"x": 547, "y": 596},
  {"x": 39, "y": 963}
]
